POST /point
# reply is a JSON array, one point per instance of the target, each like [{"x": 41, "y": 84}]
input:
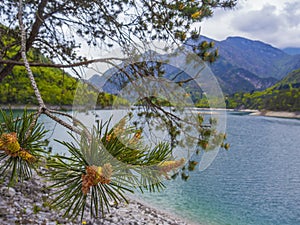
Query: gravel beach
[
  {"x": 292, "y": 115},
  {"x": 26, "y": 203}
]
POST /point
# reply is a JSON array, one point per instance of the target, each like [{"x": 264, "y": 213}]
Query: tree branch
[
  {"x": 36, "y": 64},
  {"x": 61, "y": 122},
  {"x": 34, "y": 32},
  {"x": 42, "y": 107}
]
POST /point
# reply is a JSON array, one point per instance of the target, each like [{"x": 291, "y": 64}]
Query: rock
[
  {"x": 3, "y": 211},
  {"x": 154, "y": 214},
  {"x": 16, "y": 204},
  {"x": 51, "y": 223},
  {"x": 8, "y": 192},
  {"x": 115, "y": 220},
  {"x": 27, "y": 203}
]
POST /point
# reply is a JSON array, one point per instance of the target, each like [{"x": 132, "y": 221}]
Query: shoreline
[
  {"x": 252, "y": 112},
  {"x": 268, "y": 113},
  {"x": 279, "y": 114},
  {"x": 255, "y": 112},
  {"x": 28, "y": 203},
  {"x": 52, "y": 107},
  {"x": 35, "y": 107},
  {"x": 135, "y": 198}
]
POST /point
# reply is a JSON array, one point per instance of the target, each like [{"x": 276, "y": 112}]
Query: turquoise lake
[{"x": 256, "y": 182}]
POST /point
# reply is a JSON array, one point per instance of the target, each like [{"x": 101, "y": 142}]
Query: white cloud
[
  {"x": 292, "y": 13},
  {"x": 275, "y": 22},
  {"x": 258, "y": 21}
]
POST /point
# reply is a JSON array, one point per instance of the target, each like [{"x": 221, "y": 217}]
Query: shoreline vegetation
[
  {"x": 252, "y": 112},
  {"x": 28, "y": 203},
  {"x": 35, "y": 107}
]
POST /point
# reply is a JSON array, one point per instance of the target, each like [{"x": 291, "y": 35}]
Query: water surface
[{"x": 256, "y": 182}]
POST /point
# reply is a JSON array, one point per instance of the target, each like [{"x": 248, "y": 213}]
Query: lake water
[{"x": 256, "y": 182}]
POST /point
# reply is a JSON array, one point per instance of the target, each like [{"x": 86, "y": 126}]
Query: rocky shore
[{"x": 28, "y": 203}]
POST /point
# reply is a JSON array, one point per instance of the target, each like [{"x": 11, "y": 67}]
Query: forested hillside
[
  {"x": 283, "y": 96},
  {"x": 56, "y": 87}
]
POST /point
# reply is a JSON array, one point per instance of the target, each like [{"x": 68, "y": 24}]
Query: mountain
[
  {"x": 114, "y": 81},
  {"x": 246, "y": 65},
  {"x": 292, "y": 51},
  {"x": 97, "y": 81},
  {"x": 259, "y": 58},
  {"x": 283, "y": 96},
  {"x": 234, "y": 79},
  {"x": 243, "y": 66},
  {"x": 292, "y": 80}
]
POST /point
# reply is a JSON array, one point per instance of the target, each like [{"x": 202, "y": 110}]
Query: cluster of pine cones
[
  {"x": 10, "y": 145},
  {"x": 95, "y": 175}
]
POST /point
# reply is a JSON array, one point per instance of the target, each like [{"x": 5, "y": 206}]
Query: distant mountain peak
[
  {"x": 237, "y": 40},
  {"x": 244, "y": 65},
  {"x": 258, "y": 60}
]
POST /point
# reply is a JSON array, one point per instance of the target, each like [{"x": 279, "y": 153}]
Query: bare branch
[
  {"x": 61, "y": 122},
  {"x": 42, "y": 107},
  {"x": 33, "y": 34}
]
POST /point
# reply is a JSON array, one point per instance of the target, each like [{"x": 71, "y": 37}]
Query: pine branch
[
  {"x": 61, "y": 122},
  {"x": 42, "y": 106}
]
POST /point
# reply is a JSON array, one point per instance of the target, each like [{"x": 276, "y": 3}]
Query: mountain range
[
  {"x": 292, "y": 51},
  {"x": 283, "y": 96},
  {"x": 244, "y": 65}
]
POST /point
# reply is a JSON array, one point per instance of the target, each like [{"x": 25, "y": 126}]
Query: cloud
[
  {"x": 275, "y": 22},
  {"x": 258, "y": 21},
  {"x": 291, "y": 13}
]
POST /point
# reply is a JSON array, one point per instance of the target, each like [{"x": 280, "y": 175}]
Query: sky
[{"x": 276, "y": 22}]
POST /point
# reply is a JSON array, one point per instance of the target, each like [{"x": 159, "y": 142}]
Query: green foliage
[
  {"x": 87, "y": 96},
  {"x": 206, "y": 50},
  {"x": 36, "y": 209},
  {"x": 17, "y": 162},
  {"x": 209, "y": 138},
  {"x": 283, "y": 96},
  {"x": 154, "y": 20},
  {"x": 132, "y": 165},
  {"x": 56, "y": 87},
  {"x": 102, "y": 164},
  {"x": 292, "y": 79},
  {"x": 270, "y": 99}
]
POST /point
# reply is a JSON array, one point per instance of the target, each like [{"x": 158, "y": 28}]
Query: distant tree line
[{"x": 287, "y": 99}]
